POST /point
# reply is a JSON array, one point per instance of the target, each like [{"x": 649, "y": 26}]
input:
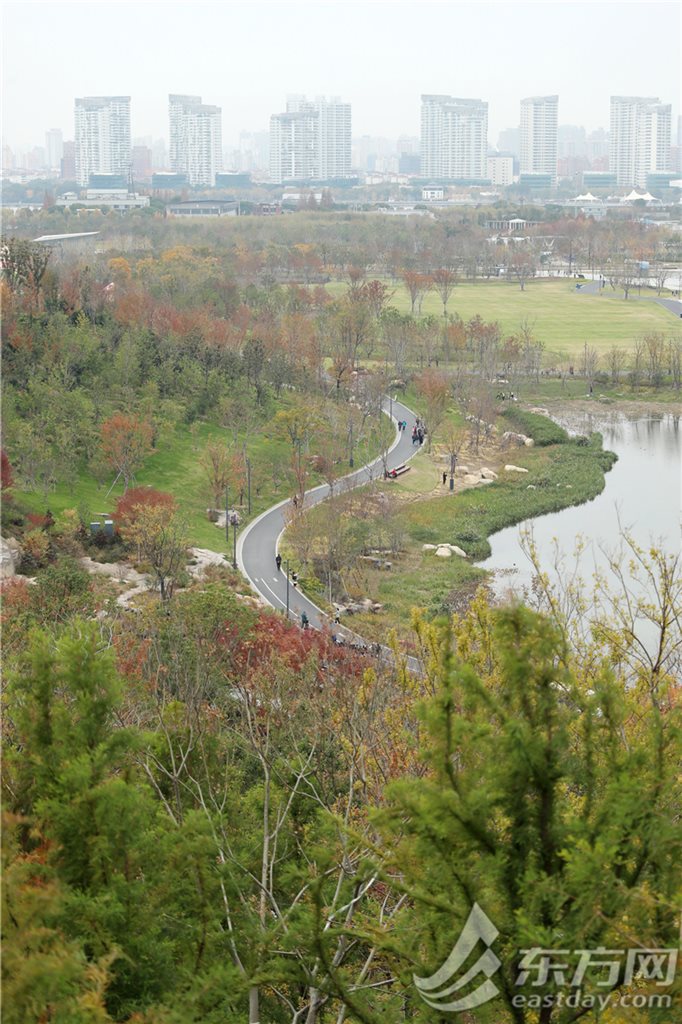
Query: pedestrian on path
[
  {"x": 445, "y": 477},
  {"x": 304, "y": 621},
  {"x": 295, "y": 500},
  {"x": 278, "y": 560}
]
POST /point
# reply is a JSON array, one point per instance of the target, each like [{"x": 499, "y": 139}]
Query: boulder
[
  {"x": 510, "y": 437},
  {"x": 457, "y": 551},
  {"x": 429, "y": 547},
  {"x": 540, "y": 411},
  {"x": 514, "y": 469},
  {"x": 461, "y": 470},
  {"x": 488, "y": 474},
  {"x": 531, "y": 487},
  {"x": 529, "y": 442},
  {"x": 471, "y": 479},
  {"x": 444, "y": 551},
  {"x": 10, "y": 556}
]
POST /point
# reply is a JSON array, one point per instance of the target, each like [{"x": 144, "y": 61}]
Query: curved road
[
  {"x": 257, "y": 544},
  {"x": 673, "y": 306}
]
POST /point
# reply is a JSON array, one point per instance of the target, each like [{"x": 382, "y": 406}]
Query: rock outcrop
[{"x": 10, "y": 557}]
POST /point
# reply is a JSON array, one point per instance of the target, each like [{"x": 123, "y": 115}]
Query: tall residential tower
[
  {"x": 538, "y": 135},
  {"x": 195, "y": 139},
  {"x": 454, "y": 138},
  {"x": 640, "y": 138},
  {"x": 312, "y": 140},
  {"x": 102, "y": 136}
]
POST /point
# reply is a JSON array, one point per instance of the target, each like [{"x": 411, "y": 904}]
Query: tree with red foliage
[
  {"x": 126, "y": 443},
  {"x": 6, "y": 475},
  {"x": 129, "y": 504}
]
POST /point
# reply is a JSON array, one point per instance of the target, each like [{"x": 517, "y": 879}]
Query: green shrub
[{"x": 543, "y": 430}]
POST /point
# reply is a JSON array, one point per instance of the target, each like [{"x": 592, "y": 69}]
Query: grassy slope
[
  {"x": 175, "y": 467},
  {"x": 563, "y": 318},
  {"x": 563, "y": 475}
]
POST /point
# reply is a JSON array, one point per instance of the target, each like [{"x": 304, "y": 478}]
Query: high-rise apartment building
[
  {"x": 454, "y": 138},
  {"x": 196, "y": 145},
  {"x": 54, "y": 148},
  {"x": 68, "y": 164},
  {"x": 640, "y": 138},
  {"x": 538, "y": 135},
  {"x": 312, "y": 139},
  {"x": 102, "y": 136}
]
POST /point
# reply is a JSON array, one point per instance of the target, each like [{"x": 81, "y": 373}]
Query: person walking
[
  {"x": 445, "y": 477},
  {"x": 278, "y": 560},
  {"x": 305, "y": 622}
]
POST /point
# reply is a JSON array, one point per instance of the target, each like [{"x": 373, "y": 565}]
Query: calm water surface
[{"x": 643, "y": 491}]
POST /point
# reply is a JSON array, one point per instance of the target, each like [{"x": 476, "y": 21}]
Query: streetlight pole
[
  {"x": 350, "y": 460},
  {"x": 227, "y": 518},
  {"x": 248, "y": 483},
  {"x": 234, "y": 541},
  {"x": 287, "y": 565}
]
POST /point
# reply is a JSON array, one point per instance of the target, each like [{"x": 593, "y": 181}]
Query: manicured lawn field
[{"x": 563, "y": 318}]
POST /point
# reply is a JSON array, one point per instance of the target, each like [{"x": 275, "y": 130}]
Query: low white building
[
  {"x": 116, "y": 198},
  {"x": 433, "y": 193}
]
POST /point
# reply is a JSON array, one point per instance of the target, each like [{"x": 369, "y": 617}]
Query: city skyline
[{"x": 386, "y": 47}]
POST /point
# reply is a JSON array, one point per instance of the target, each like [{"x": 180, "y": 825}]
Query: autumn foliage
[
  {"x": 6, "y": 478},
  {"x": 129, "y": 504},
  {"x": 126, "y": 443}
]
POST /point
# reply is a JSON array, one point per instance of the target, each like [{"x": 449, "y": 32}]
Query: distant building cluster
[{"x": 311, "y": 142}]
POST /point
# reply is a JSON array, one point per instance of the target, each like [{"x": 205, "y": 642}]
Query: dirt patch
[{"x": 627, "y": 406}]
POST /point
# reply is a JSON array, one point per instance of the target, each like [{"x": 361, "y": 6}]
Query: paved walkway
[
  {"x": 257, "y": 545},
  {"x": 673, "y": 306}
]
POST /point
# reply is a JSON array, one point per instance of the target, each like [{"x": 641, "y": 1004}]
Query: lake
[{"x": 642, "y": 492}]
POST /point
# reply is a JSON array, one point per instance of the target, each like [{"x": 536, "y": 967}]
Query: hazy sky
[{"x": 379, "y": 56}]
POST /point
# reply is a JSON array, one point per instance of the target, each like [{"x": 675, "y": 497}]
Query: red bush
[
  {"x": 6, "y": 476},
  {"x": 137, "y": 497}
]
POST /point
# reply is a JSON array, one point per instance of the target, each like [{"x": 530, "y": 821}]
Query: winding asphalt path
[
  {"x": 257, "y": 545},
  {"x": 673, "y": 306}
]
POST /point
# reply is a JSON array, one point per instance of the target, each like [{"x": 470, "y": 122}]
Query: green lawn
[{"x": 563, "y": 318}]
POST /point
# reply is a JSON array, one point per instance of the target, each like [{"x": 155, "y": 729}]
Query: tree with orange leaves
[{"x": 126, "y": 443}]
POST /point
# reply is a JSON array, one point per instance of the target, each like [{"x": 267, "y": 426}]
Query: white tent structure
[{"x": 634, "y": 196}]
